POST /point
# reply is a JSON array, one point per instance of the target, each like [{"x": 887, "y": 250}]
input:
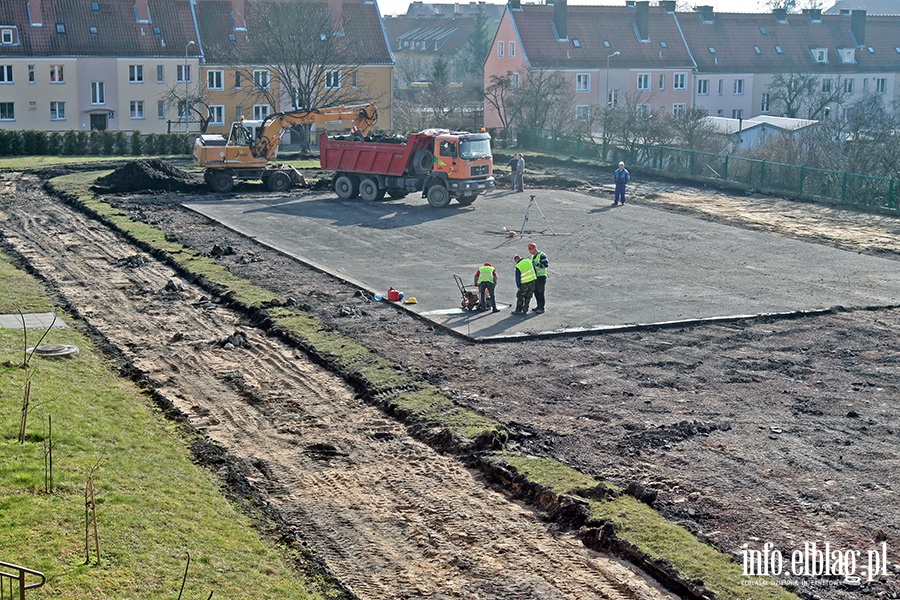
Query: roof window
[
  {"x": 757, "y": 50},
  {"x": 60, "y": 28},
  {"x": 157, "y": 31},
  {"x": 607, "y": 45},
  {"x": 663, "y": 45},
  {"x": 95, "y": 6},
  {"x": 871, "y": 50},
  {"x": 848, "y": 55},
  {"x": 576, "y": 42},
  {"x": 762, "y": 30},
  {"x": 93, "y": 29},
  {"x": 712, "y": 50},
  {"x": 231, "y": 37},
  {"x": 779, "y": 50},
  {"x": 820, "y": 55}
]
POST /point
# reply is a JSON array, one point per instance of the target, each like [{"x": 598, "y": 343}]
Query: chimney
[
  {"x": 858, "y": 27},
  {"x": 642, "y": 20},
  {"x": 780, "y": 14},
  {"x": 515, "y": 4},
  {"x": 706, "y": 13},
  {"x": 814, "y": 14},
  {"x": 237, "y": 15},
  {"x": 34, "y": 11},
  {"x": 561, "y": 19},
  {"x": 668, "y": 5},
  {"x": 142, "y": 11}
]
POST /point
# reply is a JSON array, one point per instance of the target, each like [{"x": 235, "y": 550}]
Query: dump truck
[
  {"x": 251, "y": 146},
  {"x": 439, "y": 163}
]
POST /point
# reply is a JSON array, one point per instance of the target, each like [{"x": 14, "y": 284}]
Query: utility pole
[{"x": 187, "y": 113}]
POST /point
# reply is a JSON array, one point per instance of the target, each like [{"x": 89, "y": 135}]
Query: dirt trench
[{"x": 388, "y": 516}]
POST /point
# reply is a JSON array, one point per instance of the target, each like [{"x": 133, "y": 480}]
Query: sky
[{"x": 398, "y": 7}]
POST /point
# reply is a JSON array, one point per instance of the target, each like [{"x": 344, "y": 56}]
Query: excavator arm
[{"x": 364, "y": 116}]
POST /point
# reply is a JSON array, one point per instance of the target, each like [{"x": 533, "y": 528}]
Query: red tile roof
[
  {"x": 117, "y": 31},
  {"x": 591, "y": 26},
  {"x": 733, "y": 36},
  {"x": 441, "y": 35}
]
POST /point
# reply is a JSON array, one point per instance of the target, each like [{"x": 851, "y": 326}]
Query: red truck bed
[{"x": 368, "y": 157}]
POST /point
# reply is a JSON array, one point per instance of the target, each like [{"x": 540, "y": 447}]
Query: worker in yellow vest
[
  {"x": 541, "y": 263},
  {"x": 486, "y": 280},
  {"x": 525, "y": 280}
]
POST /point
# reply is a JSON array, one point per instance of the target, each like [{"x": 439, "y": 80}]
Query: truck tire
[
  {"x": 466, "y": 199},
  {"x": 346, "y": 186},
  {"x": 368, "y": 190},
  {"x": 438, "y": 196},
  {"x": 279, "y": 181},
  {"x": 221, "y": 182},
  {"x": 423, "y": 162}
]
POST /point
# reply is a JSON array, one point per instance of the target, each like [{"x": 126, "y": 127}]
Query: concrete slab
[
  {"x": 610, "y": 267},
  {"x": 32, "y": 321}
]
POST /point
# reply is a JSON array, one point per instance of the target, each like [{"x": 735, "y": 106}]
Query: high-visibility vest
[
  {"x": 526, "y": 270},
  {"x": 538, "y": 269},
  {"x": 486, "y": 274}
]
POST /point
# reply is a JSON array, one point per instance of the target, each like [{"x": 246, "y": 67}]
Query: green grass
[
  {"x": 409, "y": 395},
  {"x": 153, "y": 504},
  {"x": 19, "y": 291}
]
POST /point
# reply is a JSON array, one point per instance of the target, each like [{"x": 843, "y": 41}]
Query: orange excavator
[{"x": 250, "y": 148}]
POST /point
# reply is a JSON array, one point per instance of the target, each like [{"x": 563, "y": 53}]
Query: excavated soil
[
  {"x": 149, "y": 175},
  {"x": 781, "y": 431}
]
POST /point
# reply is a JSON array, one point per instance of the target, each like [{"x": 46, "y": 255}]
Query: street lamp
[
  {"x": 187, "y": 114},
  {"x": 616, "y": 53}
]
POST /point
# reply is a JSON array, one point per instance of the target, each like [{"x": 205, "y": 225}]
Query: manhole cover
[{"x": 54, "y": 350}]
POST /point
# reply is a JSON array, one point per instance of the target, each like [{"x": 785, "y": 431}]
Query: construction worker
[
  {"x": 540, "y": 263},
  {"x": 486, "y": 280},
  {"x": 525, "y": 279}
]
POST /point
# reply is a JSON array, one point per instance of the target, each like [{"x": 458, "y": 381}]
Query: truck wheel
[
  {"x": 466, "y": 199},
  {"x": 438, "y": 196},
  {"x": 368, "y": 190},
  {"x": 346, "y": 187},
  {"x": 206, "y": 176},
  {"x": 423, "y": 162},
  {"x": 396, "y": 195},
  {"x": 279, "y": 182},
  {"x": 221, "y": 183}
]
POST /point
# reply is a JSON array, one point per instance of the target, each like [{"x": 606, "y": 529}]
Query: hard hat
[
  {"x": 532, "y": 246},
  {"x": 488, "y": 265},
  {"x": 412, "y": 300}
]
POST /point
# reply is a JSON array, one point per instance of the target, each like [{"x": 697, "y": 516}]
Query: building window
[
  {"x": 6, "y": 74},
  {"x": 261, "y": 79},
  {"x": 333, "y": 80},
  {"x": 703, "y": 87},
  {"x": 57, "y": 111},
  {"x": 738, "y": 87},
  {"x": 30, "y": 73},
  {"x": 160, "y": 74},
  {"x": 737, "y": 113},
  {"x": 512, "y": 49},
  {"x": 260, "y": 111},
  {"x": 583, "y": 82},
  {"x": 662, "y": 81},
  {"x": 215, "y": 80},
  {"x": 7, "y": 111},
  {"x": 848, "y": 55},
  {"x": 826, "y": 86},
  {"x": 217, "y": 115},
  {"x": 514, "y": 80},
  {"x": 848, "y": 86},
  {"x": 136, "y": 73},
  {"x": 865, "y": 84},
  {"x": 137, "y": 109},
  {"x": 183, "y": 73},
  {"x": 612, "y": 99},
  {"x": 56, "y": 74},
  {"x": 238, "y": 80},
  {"x": 98, "y": 92},
  {"x": 820, "y": 55},
  {"x": 679, "y": 109},
  {"x": 238, "y": 113},
  {"x": 160, "y": 109},
  {"x": 582, "y": 112},
  {"x": 6, "y": 36},
  {"x": 881, "y": 85},
  {"x": 764, "y": 105},
  {"x": 643, "y": 81},
  {"x": 644, "y": 110},
  {"x": 354, "y": 78},
  {"x": 680, "y": 81},
  {"x": 500, "y": 49}
]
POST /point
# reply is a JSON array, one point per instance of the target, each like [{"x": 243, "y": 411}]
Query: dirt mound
[{"x": 149, "y": 175}]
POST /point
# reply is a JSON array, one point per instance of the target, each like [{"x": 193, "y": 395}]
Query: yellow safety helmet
[{"x": 412, "y": 300}]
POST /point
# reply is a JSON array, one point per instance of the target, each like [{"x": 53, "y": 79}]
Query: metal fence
[
  {"x": 784, "y": 179},
  {"x": 13, "y": 581}
]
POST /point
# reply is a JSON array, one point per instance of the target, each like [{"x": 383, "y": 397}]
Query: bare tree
[
  {"x": 806, "y": 94},
  {"x": 198, "y": 108},
  {"x": 693, "y": 130},
  {"x": 311, "y": 54},
  {"x": 544, "y": 100},
  {"x": 502, "y": 95}
]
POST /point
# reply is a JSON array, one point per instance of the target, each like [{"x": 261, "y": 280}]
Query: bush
[
  {"x": 137, "y": 143},
  {"x": 120, "y": 143},
  {"x": 95, "y": 145},
  {"x": 54, "y": 143},
  {"x": 151, "y": 144},
  {"x": 10, "y": 142},
  {"x": 34, "y": 143}
]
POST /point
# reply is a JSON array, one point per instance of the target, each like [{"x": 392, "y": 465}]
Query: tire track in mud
[{"x": 389, "y": 516}]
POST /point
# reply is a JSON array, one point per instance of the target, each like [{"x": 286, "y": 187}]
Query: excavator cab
[{"x": 243, "y": 132}]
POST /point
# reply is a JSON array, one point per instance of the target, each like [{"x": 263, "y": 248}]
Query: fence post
[
  {"x": 693, "y": 158},
  {"x": 725, "y": 170},
  {"x": 802, "y": 175},
  {"x": 844, "y": 188},
  {"x": 762, "y": 174},
  {"x": 891, "y": 193}
]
